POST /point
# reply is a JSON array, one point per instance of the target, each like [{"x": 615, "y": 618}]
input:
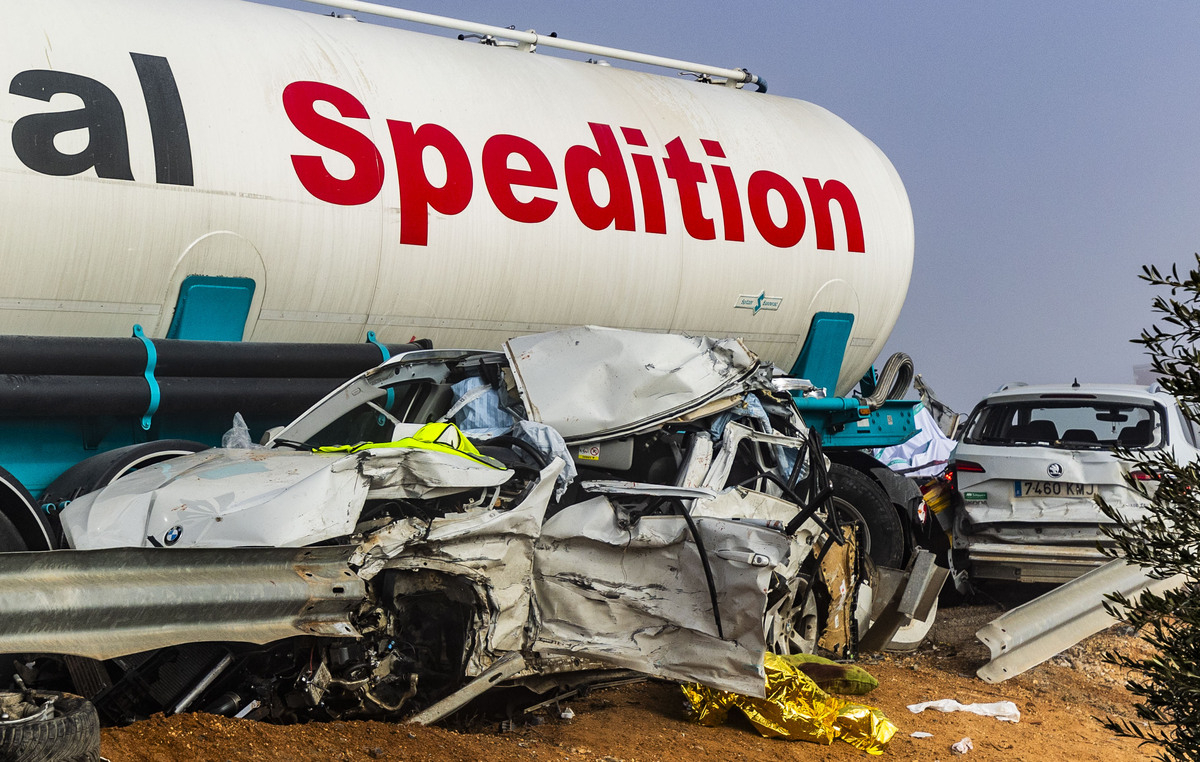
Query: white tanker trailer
[
  {"x": 205, "y": 173},
  {"x": 351, "y": 177}
]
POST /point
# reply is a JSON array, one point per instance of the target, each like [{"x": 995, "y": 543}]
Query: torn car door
[{"x": 632, "y": 592}]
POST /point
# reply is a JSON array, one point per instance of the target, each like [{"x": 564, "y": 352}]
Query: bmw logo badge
[
  {"x": 1055, "y": 470},
  {"x": 172, "y": 535}
]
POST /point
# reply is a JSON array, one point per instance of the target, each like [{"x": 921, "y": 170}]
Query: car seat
[
  {"x": 1080, "y": 436},
  {"x": 1039, "y": 431},
  {"x": 1138, "y": 435}
]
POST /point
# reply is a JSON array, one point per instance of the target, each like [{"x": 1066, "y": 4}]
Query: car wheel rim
[{"x": 793, "y": 622}]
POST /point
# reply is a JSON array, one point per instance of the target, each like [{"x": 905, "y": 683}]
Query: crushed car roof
[{"x": 603, "y": 383}]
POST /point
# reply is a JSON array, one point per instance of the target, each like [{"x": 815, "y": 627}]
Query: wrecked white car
[
  {"x": 1033, "y": 460},
  {"x": 451, "y": 519}
]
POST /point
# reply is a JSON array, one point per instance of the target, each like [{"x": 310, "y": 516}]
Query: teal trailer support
[
  {"x": 859, "y": 428},
  {"x": 820, "y": 359},
  {"x": 151, "y": 381},
  {"x": 845, "y": 421}
]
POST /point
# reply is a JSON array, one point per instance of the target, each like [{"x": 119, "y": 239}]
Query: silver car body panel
[
  {"x": 407, "y": 473},
  {"x": 635, "y": 596},
  {"x": 1079, "y": 467},
  {"x": 596, "y": 383}
]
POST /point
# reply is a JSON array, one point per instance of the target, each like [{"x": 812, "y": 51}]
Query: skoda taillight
[
  {"x": 964, "y": 466},
  {"x": 1142, "y": 476}
]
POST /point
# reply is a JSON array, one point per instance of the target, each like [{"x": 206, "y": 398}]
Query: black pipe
[
  {"x": 72, "y": 355},
  {"x": 63, "y": 396}
]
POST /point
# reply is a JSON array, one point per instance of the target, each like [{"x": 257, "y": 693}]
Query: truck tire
[
  {"x": 858, "y": 498},
  {"x": 10, "y": 538},
  {"x": 33, "y": 525},
  {"x": 102, "y": 470},
  {"x": 70, "y": 734}
]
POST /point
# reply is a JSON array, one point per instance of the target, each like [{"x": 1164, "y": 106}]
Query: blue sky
[{"x": 1049, "y": 150}]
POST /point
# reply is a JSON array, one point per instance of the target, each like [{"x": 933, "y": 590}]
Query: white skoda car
[{"x": 1032, "y": 459}]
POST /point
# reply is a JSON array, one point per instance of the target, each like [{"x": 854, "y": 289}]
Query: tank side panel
[{"x": 91, "y": 255}]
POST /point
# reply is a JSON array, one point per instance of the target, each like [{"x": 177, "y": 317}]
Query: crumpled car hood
[
  {"x": 222, "y": 498},
  {"x": 227, "y": 498}
]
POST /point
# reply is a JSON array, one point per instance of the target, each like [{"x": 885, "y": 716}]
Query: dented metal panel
[
  {"x": 635, "y": 595},
  {"x": 223, "y": 498},
  {"x": 107, "y": 603},
  {"x": 602, "y": 383},
  {"x": 425, "y": 474}
]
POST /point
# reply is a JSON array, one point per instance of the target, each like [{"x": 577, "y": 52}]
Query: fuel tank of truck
[{"x": 276, "y": 175}]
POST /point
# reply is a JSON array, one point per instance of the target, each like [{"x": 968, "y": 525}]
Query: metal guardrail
[
  {"x": 1044, "y": 627},
  {"x": 108, "y": 603}
]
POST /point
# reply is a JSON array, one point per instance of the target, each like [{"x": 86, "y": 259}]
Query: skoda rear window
[{"x": 1077, "y": 424}]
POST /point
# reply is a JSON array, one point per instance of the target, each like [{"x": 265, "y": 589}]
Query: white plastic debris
[
  {"x": 921, "y": 734},
  {"x": 1005, "y": 711},
  {"x": 963, "y": 746},
  {"x": 567, "y": 714},
  {"x": 238, "y": 436}
]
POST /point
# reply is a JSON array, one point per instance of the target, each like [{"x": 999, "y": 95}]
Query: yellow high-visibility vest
[{"x": 438, "y": 437}]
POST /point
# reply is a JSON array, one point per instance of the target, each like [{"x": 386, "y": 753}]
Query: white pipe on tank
[{"x": 532, "y": 39}]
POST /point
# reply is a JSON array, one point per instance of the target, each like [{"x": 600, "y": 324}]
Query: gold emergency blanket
[{"x": 794, "y": 709}]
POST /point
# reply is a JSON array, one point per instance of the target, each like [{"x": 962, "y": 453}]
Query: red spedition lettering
[{"x": 525, "y": 185}]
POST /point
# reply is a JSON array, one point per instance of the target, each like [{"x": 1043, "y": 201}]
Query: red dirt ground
[{"x": 1060, "y": 702}]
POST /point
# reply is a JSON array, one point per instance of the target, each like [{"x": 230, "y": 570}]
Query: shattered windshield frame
[{"x": 411, "y": 388}]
